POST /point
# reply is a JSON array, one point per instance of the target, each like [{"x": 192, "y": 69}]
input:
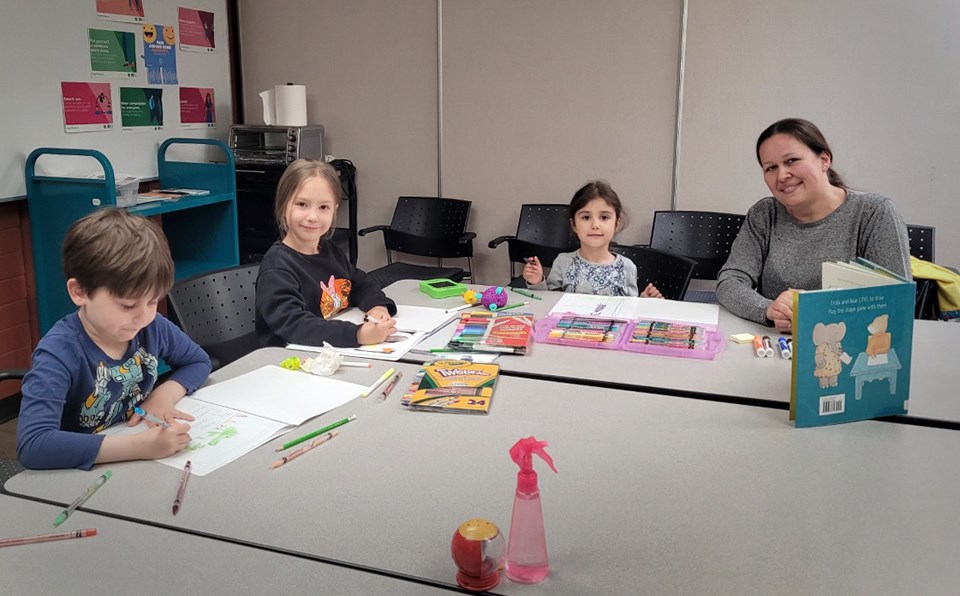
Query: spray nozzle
[{"x": 522, "y": 453}]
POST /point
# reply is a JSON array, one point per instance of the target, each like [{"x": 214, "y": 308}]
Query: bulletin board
[{"x": 151, "y": 69}]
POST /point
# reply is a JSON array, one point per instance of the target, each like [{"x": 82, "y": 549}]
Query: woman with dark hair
[{"x": 812, "y": 217}]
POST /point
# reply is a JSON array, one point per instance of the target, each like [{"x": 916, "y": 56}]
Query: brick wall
[{"x": 18, "y": 321}]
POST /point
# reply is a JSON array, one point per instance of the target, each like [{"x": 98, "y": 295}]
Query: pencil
[
  {"x": 526, "y": 293},
  {"x": 100, "y": 481},
  {"x": 48, "y": 537},
  {"x": 314, "y": 443},
  {"x": 309, "y": 436},
  {"x": 514, "y": 305},
  {"x": 393, "y": 383}
]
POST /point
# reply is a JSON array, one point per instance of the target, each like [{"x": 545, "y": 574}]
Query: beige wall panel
[
  {"x": 541, "y": 95},
  {"x": 880, "y": 79},
  {"x": 370, "y": 67}
]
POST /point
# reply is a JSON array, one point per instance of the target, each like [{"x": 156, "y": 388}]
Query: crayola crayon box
[{"x": 456, "y": 386}]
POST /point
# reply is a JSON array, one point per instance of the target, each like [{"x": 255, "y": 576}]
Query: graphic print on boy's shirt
[
  {"x": 118, "y": 390},
  {"x": 334, "y": 296}
]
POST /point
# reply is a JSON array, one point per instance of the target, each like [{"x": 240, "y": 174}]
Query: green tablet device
[{"x": 442, "y": 288}]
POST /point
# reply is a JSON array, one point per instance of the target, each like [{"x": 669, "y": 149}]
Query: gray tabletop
[
  {"x": 735, "y": 374},
  {"x": 130, "y": 558},
  {"x": 656, "y": 494}
]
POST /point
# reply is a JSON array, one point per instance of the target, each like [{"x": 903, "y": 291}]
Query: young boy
[{"x": 96, "y": 364}]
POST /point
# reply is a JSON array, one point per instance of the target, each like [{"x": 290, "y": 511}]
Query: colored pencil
[
  {"x": 48, "y": 537},
  {"x": 82, "y": 498},
  {"x": 314, "y": 443},
  {"x": 309, "y": 436}
]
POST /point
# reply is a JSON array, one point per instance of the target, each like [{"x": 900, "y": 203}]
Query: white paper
[
  {"x": 400, "y": 344},
  {"x": 409, "y": 318},
  {"x": 218, "y": 435},
  {"x": 878, "y": 359},
  {"x": 287, "y": 396},
  {"x": 633, "y": 308}
]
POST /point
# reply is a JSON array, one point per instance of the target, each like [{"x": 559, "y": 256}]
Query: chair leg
[
  {"x": 470, "y": 270},
  {"x": 389, "y": 257}
]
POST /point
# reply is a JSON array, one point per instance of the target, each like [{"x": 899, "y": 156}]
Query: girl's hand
[
  {"x": 379, "y": 312},
  {"x": 780, "y": 311},
  {"x": 533, "y": 271},
  {"x": 372, "y": 332},
  {"x": 164, "y": 442},
  {"x": 651, "y": 291},
  {"x": 162, "y": 403}
]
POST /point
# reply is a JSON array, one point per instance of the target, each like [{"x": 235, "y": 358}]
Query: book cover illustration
[
  {"x": 493, "y": 332},
  {"x": 852, "y": 351},
  {"x": 456, "y": 386}
]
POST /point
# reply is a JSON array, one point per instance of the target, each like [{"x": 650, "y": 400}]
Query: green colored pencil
[
  {"x": 514, "y": 305},
  {"x": 526, "y": 293},
  {"x": 309, "y": 436}
]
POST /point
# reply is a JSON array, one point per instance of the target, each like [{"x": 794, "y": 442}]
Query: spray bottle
[{"x": 527, "y": 545}]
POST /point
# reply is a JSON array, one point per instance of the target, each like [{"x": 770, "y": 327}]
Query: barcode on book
[{"x": 831, "y": 404}]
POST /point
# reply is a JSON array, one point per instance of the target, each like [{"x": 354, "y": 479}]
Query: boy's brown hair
[{"x": 126, "y": 254}]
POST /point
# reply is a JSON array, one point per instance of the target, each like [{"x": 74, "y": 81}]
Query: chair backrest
[
  {"x": 543, "y": 231},
  {"x": 669, "y": 272},
  {"x": 705, "y": 236},
  {"x": 429, "y": 227},
  {"x": 922, "y": 241},
  {"x": 217, "y": 310}
]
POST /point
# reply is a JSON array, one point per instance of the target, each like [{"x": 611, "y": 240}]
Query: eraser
[{"x": 742, "y": 338}]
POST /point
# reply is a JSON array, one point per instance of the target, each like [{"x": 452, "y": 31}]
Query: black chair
[
  {"x": 669, "y": 272},
  {"x": 427, "y": 227},
  {"x": 217, "y": 310},
  {"x": 922, "y": 241},
  {"x": 543, "y": 231},
  {"x": 9, "y": 409},
  {"x": 705, "y": 236}
]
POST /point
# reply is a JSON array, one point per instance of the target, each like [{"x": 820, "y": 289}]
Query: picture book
[
  {"x": 852, "y": 348},
  {"x": 487, "y": 331},
  {"x": 456, "y": 386}
]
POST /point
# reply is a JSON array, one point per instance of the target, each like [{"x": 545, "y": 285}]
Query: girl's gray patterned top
[
  {"x": 573, "y": 273},
  {"x": 774, "y": 252}
]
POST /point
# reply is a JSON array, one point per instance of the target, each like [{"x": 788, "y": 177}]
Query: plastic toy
[
  {"x": 477, "y": 549},
  {"x": 471, "y": 297},
  {"x": 494, "y": 298},
  {"x": 442, "y": 288}
]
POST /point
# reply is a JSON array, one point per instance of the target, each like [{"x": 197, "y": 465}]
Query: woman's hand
[{"x": 780, "y": 311}]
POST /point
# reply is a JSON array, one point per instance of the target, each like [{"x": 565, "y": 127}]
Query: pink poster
[
  {"x": 127, "y": 11},
  {"x": 197, "y": 107},
  {"x": 86, "y": 106},
  {"x": 196, "y": 30}
]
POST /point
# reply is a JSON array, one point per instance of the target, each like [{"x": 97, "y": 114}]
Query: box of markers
[
  {"x": 673, "y": 338},
  {"x": 586, "y": 332}
]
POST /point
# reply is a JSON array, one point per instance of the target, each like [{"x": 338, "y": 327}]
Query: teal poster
[
  {"x": 141, "y": 109},
  {"x": 112, "y": 53}
]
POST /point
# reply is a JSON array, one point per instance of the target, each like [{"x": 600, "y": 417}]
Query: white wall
[{"x": 540, "y": 95}]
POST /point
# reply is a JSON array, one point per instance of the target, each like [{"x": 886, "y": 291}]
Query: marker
[
  {"x": 758, "y": 346},
  {"x": 456, "y": 308},
  {"x": 147, "y": 416},
  {"x": 514, "y": 305},
  {"x": 352, "y": 364},
  {"x": 378, "y": 382},
  {"x": 82, "y": 498},
  {"x": 767, "y": 347},
  {"x": 526, "y": 293},
  {"x": 309, "y": 436},
  {"x": 304, "y": 449},
  {"x": 184, "y": 478},
  {"x": 372, "y": 318},
  {"x": 48, "y": 537},
  {"x": 785, "y": 352},
  {"x": 393, "y": 383},
  {"x": 527, "y": 259}
]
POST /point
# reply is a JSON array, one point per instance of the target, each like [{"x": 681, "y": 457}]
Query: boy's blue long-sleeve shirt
[{"x": 73, "y": 389}]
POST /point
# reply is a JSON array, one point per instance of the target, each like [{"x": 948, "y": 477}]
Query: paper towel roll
[{"x": 291, "y": 104}]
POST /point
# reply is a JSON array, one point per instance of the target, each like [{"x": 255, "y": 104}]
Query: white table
[
  {"x": 735, "y": 375},
  {"x": 130, "y": 558},
  {"x": 655, "y": 494}
]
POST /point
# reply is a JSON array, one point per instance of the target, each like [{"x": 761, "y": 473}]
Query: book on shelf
[
  {"x": 852, "y": 345},
  {"x": 486, "y": 331},
  {"x": 170, "y": 194},
  {"x": 456, "y": 386}
]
